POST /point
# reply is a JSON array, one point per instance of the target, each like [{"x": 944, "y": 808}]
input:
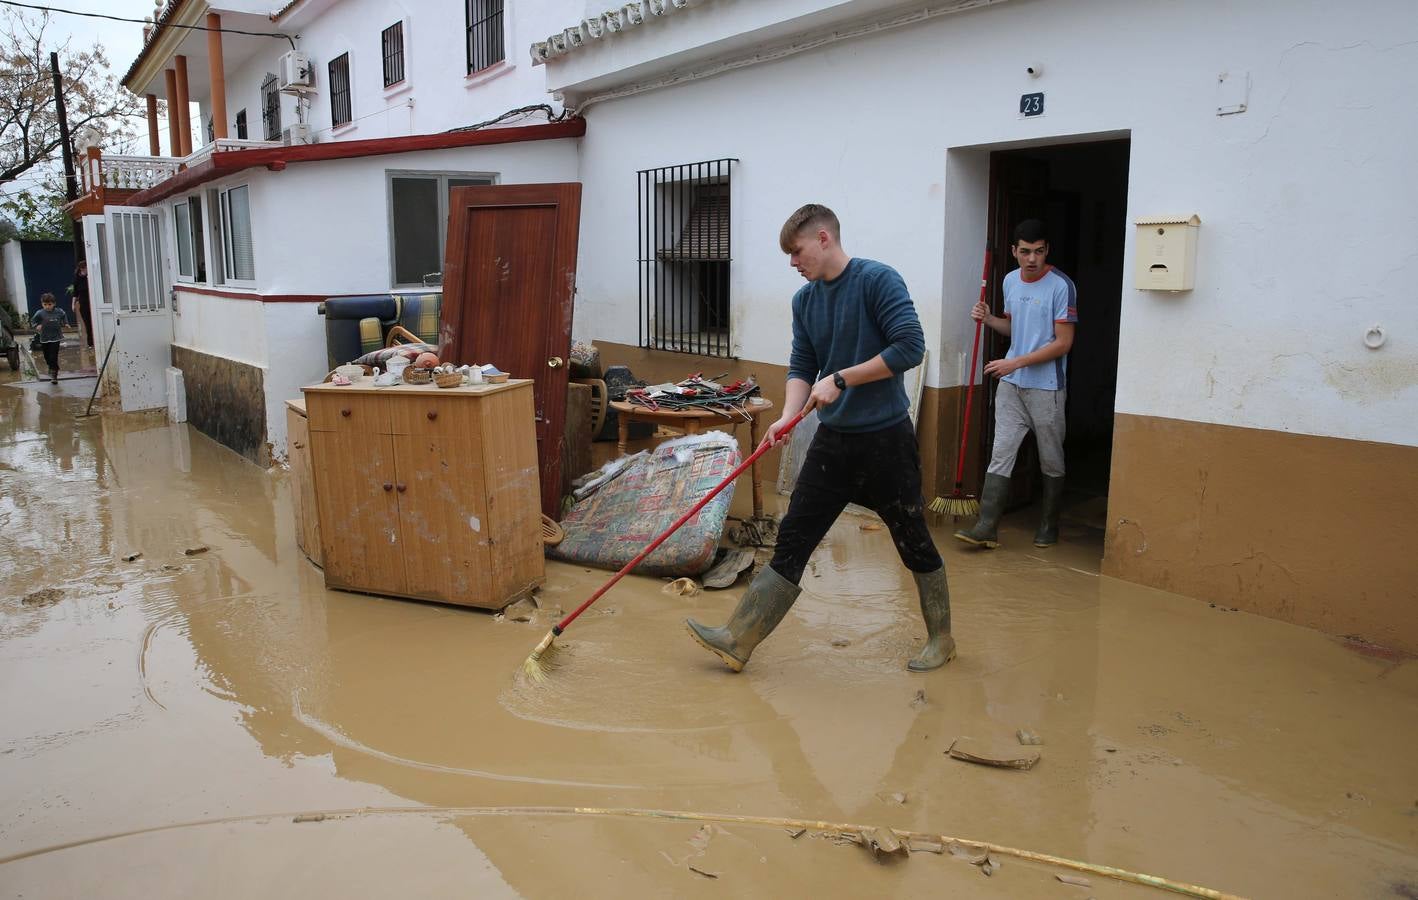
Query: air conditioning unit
[
  {"x": 296, "y": 75},
  {"x": 297, "y": 134}
]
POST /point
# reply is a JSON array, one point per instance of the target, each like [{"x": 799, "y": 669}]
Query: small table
[{"x": 691, "y": 421}]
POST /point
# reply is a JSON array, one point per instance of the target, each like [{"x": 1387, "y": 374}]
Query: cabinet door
[
  {"x": 443, "y": 516},
  {"x": 359, "y": 511}
]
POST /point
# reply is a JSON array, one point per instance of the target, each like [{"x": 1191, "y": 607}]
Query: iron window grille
[
  {"x": 241, "y": 125},
  {"x": 685, "y": 232},
  {"x": 391, "y": 42},
  {"x": 485, "y": 39},
  {"x": 271, "y": 108},
  {"x": 340, "y": 112}
]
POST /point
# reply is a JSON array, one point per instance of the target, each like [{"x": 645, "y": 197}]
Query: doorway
[{"x": 1080, "y": 192}]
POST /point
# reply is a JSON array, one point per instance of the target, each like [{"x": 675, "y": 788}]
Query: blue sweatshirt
[{"x": 841, "y": 323}]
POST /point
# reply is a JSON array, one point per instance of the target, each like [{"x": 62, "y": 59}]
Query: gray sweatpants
[{"x": 1018, "y": 410}]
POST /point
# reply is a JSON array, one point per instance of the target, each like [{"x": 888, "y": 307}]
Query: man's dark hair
[
  {"x": 813, "y": 216},
  {"x": 1030, "y": 230}
]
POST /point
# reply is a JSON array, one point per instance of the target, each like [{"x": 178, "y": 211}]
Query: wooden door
[
  {"x": 359, "y": 510},
  {"x": 509, "y": 277}
]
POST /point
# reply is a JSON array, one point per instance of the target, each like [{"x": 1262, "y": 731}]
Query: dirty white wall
[
  {"x": 1304, "y": 197},
  {"x": 437, "y": 92}
]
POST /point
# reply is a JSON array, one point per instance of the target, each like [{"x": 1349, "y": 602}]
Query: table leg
[
  {"x": 753, "y": 469},
  {"x": 623, "y": 433},
  {"x": 691, "y": 426}
]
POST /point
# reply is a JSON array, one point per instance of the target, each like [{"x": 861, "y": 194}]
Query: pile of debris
[{"x": 697, "y": 393}]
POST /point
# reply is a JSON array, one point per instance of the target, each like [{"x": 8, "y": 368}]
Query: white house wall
[
  {"x": 437, "y": 93},
  {"x": 1296, "y": 195}
]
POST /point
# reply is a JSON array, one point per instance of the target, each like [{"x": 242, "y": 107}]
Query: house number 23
[{"x": 1031, "y": 105}]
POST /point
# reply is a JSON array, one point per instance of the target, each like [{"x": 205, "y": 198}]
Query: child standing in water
[{"x": 49, "y": 325}]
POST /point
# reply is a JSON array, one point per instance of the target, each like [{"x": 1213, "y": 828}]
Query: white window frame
[
  {"x": 228, "y": 267},
  {"x": 443, "y": 178},
  {"x": 182, "y": 212}
]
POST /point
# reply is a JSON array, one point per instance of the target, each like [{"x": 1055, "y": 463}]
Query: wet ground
[{"x": 220, "y": 725}]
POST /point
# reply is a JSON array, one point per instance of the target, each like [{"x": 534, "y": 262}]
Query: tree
[
  {"x": 29, "y": 122},
  {"x": 37, "y": 213}
]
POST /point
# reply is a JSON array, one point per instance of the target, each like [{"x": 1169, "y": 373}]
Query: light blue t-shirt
[{"x": 1032, "y": 308}]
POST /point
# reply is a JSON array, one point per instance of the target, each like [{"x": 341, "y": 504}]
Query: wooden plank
[
  {"x": 366, "y": 386},
  {"x": 307, "y": 512},
  {"x": 509, "y": 457},
  {"x": 359, "y": 517}
]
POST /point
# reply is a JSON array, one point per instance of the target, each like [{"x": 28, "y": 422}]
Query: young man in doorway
[
  {"x": 1040, "y": 315},
  {"x": 855, "y": 334}
]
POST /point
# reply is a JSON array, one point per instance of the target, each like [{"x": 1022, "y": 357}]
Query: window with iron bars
[
  {"x": 241, "y": 124},
  {"x": 391, "y": 42},
  {"x": 684, "y": 239},
  {"x": 485, "y": 41},
  {"x": 340, "y": 112},
  {"x": 271, "y": 108}
]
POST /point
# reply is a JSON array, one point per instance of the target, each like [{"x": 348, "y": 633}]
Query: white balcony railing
[{"x": 98, "y": 171}]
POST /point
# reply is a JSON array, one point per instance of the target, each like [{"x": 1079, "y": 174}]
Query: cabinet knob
[
  {"x": 402, "y": 487},
  {"x": 388, "y": 486},
  {"x": 432, "y": 414},
  {"x": 345, "y": 412}
]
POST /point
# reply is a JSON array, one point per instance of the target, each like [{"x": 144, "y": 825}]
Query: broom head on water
[
  {"x": 957, "y": 505},
  {"x": 542, "y": 659}
]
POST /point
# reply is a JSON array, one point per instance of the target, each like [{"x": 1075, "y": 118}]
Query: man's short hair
[
  {"x": 813, "y": 216},
  {"x": 1031, "y": 230},
  {"x": 46, "y": 298}
]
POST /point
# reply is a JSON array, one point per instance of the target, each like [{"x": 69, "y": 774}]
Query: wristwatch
[{"x": 838, "y": 380}]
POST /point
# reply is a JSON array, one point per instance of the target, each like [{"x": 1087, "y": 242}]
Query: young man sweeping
[
  {"x": 1040, "y": 314},
  {"x": 855, "y": 333}
]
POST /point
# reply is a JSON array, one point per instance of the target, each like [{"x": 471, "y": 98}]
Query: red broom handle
[
  {"x": 762, "y": 448},
  {"x": 970, "y": 392}
]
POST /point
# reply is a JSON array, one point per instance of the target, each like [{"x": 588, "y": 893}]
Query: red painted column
[
  {"x": 184, "y": 111},
  {"x": 216, "y": 75},
  {"x": 153, "y": 147},
  {"x": 174, "y": 142}
]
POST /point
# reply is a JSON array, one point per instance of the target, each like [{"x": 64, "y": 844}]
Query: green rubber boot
[
  {"x": 986, "y": 530},
  {"x": 1048, "y": 533},
  {"x": 763, "y": 606},
  {"x": 935, "y": 609}
]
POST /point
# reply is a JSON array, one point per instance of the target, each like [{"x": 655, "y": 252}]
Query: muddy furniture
[
  {"x": 426, "y": 492},
  {"x": 307, "y": 514},
  {"x": 692, "y": 422}
]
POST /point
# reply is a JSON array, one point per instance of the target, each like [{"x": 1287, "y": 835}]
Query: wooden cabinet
[
  {"x": 307, "y": 516},
  {"x": 428, "y": 493}
]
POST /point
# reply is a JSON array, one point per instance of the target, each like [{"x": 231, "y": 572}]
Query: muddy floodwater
[{"x": 220, "y": 725}]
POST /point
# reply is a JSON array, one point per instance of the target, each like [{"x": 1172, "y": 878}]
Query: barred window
[
  {"x": 241, "y": 125},
  {"x": 391, "y": 42},
  {"x": 684, "y": 240},
  {"x": 485, "y": 42},
  {"x": 340, "y": 112},
  {"x": 271, "y": 108}
]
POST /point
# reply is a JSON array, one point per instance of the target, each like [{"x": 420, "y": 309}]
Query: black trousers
[
  {"x": 87, "y": 315},
  {"x": 880, "y": 470},
  {"x": 51, "y": 355}
]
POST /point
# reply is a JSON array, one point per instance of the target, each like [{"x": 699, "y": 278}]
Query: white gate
[
  {"x": 100, "y": 300},
  {"x": 136, "y": 285}
]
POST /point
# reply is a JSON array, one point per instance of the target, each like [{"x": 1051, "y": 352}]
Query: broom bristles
[
  {"x": 956, "y": 505},
  {"x": 539, "y": 662}
]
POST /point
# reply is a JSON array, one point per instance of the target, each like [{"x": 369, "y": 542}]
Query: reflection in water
[{"x": 179, "y": 689}]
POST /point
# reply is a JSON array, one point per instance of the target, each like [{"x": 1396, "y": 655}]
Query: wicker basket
[
  {"x": 448, "y": 379},
  {"x": 417, "y": 376}
]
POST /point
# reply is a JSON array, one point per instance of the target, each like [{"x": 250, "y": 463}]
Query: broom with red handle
[
  {"x": 536, "y": 664},
  {"x": 960, "y": 503}
]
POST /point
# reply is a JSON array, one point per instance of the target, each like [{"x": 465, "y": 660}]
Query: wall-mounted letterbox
[{"x": 1166, "y": 253}]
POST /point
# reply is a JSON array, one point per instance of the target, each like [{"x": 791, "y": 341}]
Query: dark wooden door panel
[{"x": 509, "y": 285}]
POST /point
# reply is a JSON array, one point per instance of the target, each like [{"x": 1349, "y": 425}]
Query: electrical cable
[
  {"x": 551, "y": 114},
  {"x": 94, "y": 15}
]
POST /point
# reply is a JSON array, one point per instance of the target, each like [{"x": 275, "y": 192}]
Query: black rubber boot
[
  {"x": 763, "y": 606},
  {"x": 935, "y": 609},
  {"x": 1048, "y": 533},
  {"x": 986, "y": 530}
]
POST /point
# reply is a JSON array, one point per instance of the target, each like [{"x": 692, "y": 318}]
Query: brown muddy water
[{"x": 220, "y": 725}]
